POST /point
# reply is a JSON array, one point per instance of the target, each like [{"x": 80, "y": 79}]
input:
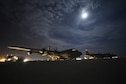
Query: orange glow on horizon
[{"x": 2, "y": 59}]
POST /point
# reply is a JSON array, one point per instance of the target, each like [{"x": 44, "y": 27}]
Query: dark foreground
[{"x": 72, "y": 72}]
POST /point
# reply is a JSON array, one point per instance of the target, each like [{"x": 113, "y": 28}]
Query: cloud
[
  {"x": 39, "y": 16},
  {"x": 40, "y": 23}
]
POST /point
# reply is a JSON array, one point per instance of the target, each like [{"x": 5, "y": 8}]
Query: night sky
[{"x": 58, "y": 23}]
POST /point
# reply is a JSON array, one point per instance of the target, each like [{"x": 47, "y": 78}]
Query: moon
[{"x": 84, "y": 15}]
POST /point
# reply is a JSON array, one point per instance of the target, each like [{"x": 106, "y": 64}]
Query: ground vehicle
[{"x": 11, "y": 58}]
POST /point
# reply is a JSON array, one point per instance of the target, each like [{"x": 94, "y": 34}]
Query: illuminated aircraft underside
[{"x": 53, "y": 55}]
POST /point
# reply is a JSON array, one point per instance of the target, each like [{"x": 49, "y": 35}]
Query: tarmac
[{"x": 64, "y": 72}]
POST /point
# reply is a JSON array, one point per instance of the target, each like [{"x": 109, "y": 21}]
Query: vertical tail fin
[
  {"x": 48, "y": 48},
  {"x": 86, "y": 52}
]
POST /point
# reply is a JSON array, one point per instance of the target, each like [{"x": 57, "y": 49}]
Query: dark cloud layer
[{"x": 40, "y": 23}]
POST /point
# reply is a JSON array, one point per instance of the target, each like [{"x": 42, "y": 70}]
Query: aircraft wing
[
  {"x": 19, "y": 48},
  {"x": 28, "y": 50}
]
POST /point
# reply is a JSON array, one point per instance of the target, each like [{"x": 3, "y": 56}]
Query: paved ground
[{"x": 72, "y": 72}]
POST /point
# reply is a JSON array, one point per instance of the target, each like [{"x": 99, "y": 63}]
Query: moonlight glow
[{"x": 84, "y": 15}]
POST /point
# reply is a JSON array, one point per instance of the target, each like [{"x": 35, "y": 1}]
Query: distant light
[
  {"x": 9, "y": 59},
  {"x": 91, "y": 57},
  {"x": 78, "y": 58},
  {"x": 114, "y": 57}
]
